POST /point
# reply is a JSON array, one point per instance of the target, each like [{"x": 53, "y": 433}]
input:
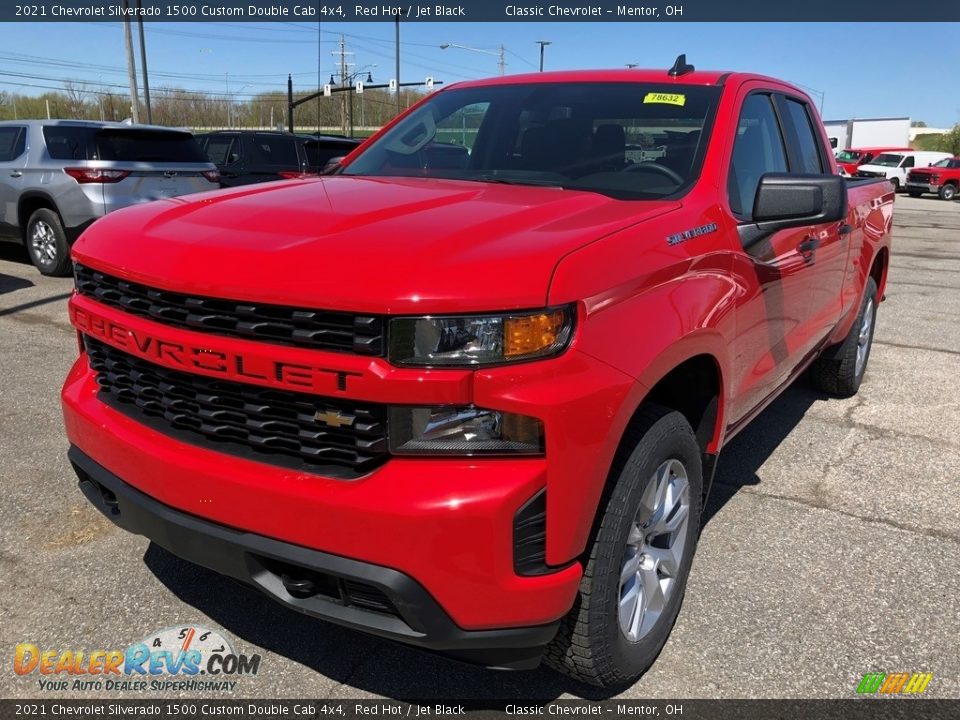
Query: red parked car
[
  {"x": 850, "y": 159},
  {"x": 476, "y": 407},
  {"x": 942, "y": 178}
]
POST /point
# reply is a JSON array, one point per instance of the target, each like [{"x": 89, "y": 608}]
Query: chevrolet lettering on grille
[{"x": 207, "y": 361}]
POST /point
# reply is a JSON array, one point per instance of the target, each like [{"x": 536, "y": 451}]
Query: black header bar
[{"x": 482, "y": 11}]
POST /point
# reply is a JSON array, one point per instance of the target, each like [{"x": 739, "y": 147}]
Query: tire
[
  {"x": 838, "y": 371},
  {"x": 948, "y": 191},
  {"x": 896, "y": 184},
  {"x": 47, "y": 243},
  {"x": 598, "y": 642},
  {"x": 914, "y": 193}
]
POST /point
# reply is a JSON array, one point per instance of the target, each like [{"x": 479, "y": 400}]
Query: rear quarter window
[
  {"x": 68, "y": 143},
  {"x": 147, "y": 146}
]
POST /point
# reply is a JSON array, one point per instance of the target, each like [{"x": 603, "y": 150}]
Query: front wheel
[
  {"x": 47, "y": 243},
  {"x": 839, "y": 371},
  {"x": 640, "y": 557},
  {"x": 948, "y": 192},
  {"x": 896, "y": 184}
]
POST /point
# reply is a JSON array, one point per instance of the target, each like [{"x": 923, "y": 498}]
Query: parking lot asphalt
[{"x": 831, "y": 547}]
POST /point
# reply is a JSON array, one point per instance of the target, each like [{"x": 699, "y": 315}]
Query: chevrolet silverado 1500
[{"x": 474, "y": 404}]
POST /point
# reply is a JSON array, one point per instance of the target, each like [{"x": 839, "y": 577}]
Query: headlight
[
  {"x": 469, "y": 340},
  {"x": 463, "y": 431}
]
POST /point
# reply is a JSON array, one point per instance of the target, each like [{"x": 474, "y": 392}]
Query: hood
[{"x": 377, "y": 245}]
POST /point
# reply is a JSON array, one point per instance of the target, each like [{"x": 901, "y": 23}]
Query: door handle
[
  {"x": 15, "y": 173},
  {"x": 845, "y": 229},
  {"x": 808, "y": 244}
]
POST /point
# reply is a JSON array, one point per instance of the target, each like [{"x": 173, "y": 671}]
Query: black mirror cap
[
  {"x": 785, "y": 200},
  {"x": 833, "y": 142}
]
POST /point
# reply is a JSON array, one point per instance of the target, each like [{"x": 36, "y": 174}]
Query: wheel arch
[
  {"x": 692, "y": 383},
  {"x": 28, "y": 203}
]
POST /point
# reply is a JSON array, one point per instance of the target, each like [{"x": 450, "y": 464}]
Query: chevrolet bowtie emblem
[{"x": 333, "y": 418}]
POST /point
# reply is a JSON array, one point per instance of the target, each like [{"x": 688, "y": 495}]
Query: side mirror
[
  {"x": 785, "y": 201},
  {"x": 833, "y": 142},
  {"x": 332, "y": 166}
]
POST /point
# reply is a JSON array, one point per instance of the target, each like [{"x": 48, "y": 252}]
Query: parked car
[
  {"x": 894, "y": 166},
  {"x": 850, "y": 159},
  {"x": 477, "y": 407},
  {"x": 58, "y": 176},
  {"x": 244, "y": 157},
  {"x": 942, "y": 178}
]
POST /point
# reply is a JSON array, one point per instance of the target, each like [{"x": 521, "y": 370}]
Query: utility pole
[
  {"x": 502, "y": 63},
  {"x": 143, "y": 63},
  {"x": 542, "y": 44},
  {"x": 226, "y": 83},
  {"x": 396, "y": 60},
  {"x": 346, "y": 116},
  {"x": 131, "y": 66}
]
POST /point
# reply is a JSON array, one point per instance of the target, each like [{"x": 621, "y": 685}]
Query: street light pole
[
  {"x": 499, "y": 54},
  {"x": 542, "y": 44}
]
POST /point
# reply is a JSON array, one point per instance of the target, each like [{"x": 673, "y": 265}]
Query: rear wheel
[
  {"x": 948, "y": 192},
  {"x": 637, "y": 569},
  {"x": 47, "y": 243},
  {"x": 839, "y": 371}
]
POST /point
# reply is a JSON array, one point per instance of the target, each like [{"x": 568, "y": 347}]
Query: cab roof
[{"x": 659, "y": 76}]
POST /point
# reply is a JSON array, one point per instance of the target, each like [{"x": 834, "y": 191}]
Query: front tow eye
[{"x": 298, "y": 587}]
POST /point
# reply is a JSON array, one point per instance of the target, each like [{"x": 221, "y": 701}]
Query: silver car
[{"x": 58, "y": 176}]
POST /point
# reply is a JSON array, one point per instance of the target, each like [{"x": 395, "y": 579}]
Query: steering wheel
[{"x": 655, "y": 167}]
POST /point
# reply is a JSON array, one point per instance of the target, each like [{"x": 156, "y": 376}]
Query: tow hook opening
[{"x": 100, "y": 495}]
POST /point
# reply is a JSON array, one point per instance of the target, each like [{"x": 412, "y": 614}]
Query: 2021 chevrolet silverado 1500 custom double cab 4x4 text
[{"x": 476, "y": 408}]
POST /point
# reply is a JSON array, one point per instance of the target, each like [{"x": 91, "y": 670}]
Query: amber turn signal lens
[{"x": 530, "y": 334}]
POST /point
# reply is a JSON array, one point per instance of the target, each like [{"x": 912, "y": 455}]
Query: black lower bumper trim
[{"x": 410, "y": 615}]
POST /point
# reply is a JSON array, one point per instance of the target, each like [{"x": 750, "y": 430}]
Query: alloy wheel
[{"x": 654, "y": 550}]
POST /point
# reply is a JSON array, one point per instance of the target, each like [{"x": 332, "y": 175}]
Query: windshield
[
  {"x": 951, "y": 163},
  {"x": 887, "y": 160},
  {"x": 848, "y": 156},
  {"x": 629, "y": 141}
]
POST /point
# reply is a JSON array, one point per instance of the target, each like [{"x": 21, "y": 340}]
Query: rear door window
[
  {"x": 219, "y": 148},
  {"x": 274, "y": 151},
  {"x": 13, "y": 141},
  {"x": 806, "y": 156},
  {"x": 165, "y": 146}
]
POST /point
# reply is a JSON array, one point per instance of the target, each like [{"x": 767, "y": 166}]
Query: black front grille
[
  {"x": 316, "y": 329},
  {"x": 869, "y": 174},
  {"x": 274, "y": 426}
]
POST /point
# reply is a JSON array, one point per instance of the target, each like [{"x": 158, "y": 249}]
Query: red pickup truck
[
  {"x": 475, "y": 404},
  {"x": 942, "y": 178}
]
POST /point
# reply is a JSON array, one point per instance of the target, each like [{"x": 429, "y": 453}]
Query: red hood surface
[{"x": 378, "y": 245}]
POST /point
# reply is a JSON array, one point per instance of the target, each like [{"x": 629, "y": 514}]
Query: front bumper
[
  {"x": 922, "y": 187},
  {"x": 359, "y": 595}
]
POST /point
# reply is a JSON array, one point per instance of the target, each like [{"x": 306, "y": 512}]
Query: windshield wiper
[{"x": 500, "y": 180}]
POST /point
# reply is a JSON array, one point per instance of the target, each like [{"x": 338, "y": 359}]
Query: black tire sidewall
[
  {"x": 948, "y": 192},
  {"x": 62, "y": 262},
  {"x": 670, "y": 437}
]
